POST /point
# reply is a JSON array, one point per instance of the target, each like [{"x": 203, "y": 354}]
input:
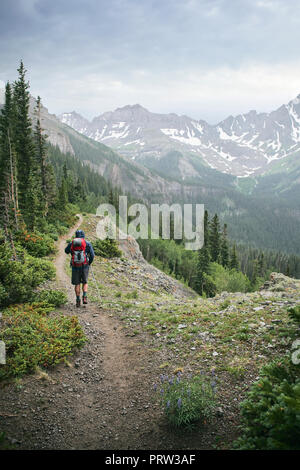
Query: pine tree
[
  {"x": 224, "y": 248},
  {"x": 203, "y": 260},
  {"x": 33, "y": 200},
  {"x": 234, "y": 264},
  {"x": 45, "y": 173},
  {"x": 23, "y": 140},
  {"x": 79, "y": 191},
  {"x": 261, "y": 265},
  {"x": 63, "y": 195},
  {"x": 215, "y": 239},
  {"x": 111, "y": 198},
  {"x": 255, "y": 271},
  {"x": 8, "y": 181}
]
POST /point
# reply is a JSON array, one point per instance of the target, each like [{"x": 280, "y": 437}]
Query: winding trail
[{"x": 113, "y": 364}]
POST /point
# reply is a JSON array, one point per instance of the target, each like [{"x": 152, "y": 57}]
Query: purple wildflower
[
  {"x": 168, "y": 404},
  {"x": 179, "y": 402}
]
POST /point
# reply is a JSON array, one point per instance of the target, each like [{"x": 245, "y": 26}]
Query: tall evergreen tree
[
  {"x": 63, "y": 195},
  {"x": 224, "y": 248},
  {"x": 23, "y": 140},
  {"x": 255, "y": 271},
  {"x": 8, "y": 180},
  {"x": 45, "y": 172},
  {"x": 215, "y": 239},
  {"x": 203, "y": 260},
  {"x": 234, "y": 263},
  {"x": 261, "y": 265}
]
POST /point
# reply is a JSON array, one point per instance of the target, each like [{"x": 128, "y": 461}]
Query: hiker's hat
[{"x": 80, "y": 234}]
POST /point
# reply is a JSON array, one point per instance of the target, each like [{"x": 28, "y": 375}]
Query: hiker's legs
[
  {"x": 77, "y": 290},
  {"x": 84, "y": 291},
  {"x": 76, "y": 280},
  {"x": 84, "y": 287}
]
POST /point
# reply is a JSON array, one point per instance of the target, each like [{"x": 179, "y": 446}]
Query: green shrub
[
  {"x": 51, "y": 297},
  {"x": 209, "y": 285},
  {"x": 33, "y": 338},
  {"x": 294, "y": 313},
  {"x": 19, "y": 278},
  {"x": 229, "y": 280},
  {"x": 186, "y": 400},
  {"x": 36, "y": 244},
  {"x": 271, "y": 411},
  {"x": 107, "y": 248},
  {"x": 50, "y": 229}
]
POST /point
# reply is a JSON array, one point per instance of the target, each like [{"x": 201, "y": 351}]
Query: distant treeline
[{"x": 220, "y": 264}]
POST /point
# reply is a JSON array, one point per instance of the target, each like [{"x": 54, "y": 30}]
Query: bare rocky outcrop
[{"x": 279, "y": 282}]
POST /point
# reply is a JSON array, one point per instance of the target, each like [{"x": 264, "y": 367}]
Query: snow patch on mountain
[
  {"x": 185, "y": 136},
  {"x": 242, "y": 145}
]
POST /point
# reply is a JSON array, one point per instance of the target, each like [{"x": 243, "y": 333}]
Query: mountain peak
[
  {"x": 296, "y": 100},
  {"x": 132, "y": 107},
  {"x": 73, "y": 119}
]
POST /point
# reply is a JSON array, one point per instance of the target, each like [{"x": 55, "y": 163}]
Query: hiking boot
[
  {"x": 77, "y": 302},
  {"x": 84, "y": 299}
]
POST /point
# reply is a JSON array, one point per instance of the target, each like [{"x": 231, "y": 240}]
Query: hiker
[{"x": 82, "y": 256}]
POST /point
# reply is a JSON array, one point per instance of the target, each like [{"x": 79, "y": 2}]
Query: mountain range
[
  {"x": 244, "y": 145},
  {"x": 261, "y": 209}
]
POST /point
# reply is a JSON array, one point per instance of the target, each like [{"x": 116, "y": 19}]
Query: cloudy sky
[{"x": 204, "y": 58}]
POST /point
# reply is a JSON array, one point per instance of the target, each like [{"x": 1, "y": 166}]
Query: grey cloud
[{"x": 60, "y": 40}]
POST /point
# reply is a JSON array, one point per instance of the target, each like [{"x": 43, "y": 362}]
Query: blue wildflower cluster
[{"x": 187, "y": 400}]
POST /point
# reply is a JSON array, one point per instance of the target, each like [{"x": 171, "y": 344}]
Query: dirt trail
[
  {"x": 101, "y": 399},
  {"x": 111, "y": 354},
  {"x": 93, "y": 402}
]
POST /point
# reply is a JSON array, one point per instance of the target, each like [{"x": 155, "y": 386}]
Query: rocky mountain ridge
[{"x": 243, "y": 145}]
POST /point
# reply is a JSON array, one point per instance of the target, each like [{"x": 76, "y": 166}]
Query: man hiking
[{"x": 82, "y": 256}]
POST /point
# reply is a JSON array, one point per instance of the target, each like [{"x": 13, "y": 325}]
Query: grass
[
  {"x": 191, "y": 331},
  {"x": 207, "y": 327}
]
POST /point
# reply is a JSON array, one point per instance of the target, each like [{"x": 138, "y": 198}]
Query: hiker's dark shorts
[{"x": 80, "y": 275}]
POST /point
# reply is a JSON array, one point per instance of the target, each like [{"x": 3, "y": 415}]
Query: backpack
[{"x": 79, "y": 257}]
